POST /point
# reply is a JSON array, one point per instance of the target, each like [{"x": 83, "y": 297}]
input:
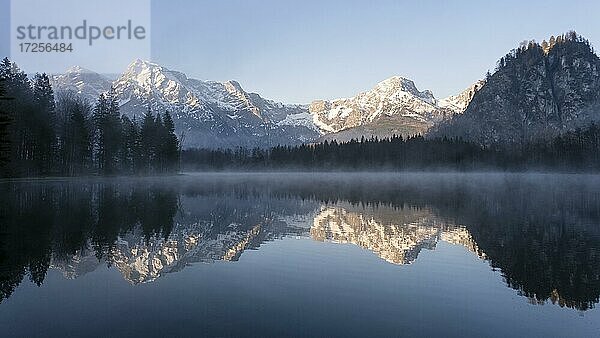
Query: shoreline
[{"x": 191, "y": 174}]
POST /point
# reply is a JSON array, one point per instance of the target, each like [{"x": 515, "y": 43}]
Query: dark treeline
[
  {"x": 43, "y": 134},
  {"x": 4, "y": 131},
  {"x": 532, "y": 47},
  {"x": 575, "y": 150}
]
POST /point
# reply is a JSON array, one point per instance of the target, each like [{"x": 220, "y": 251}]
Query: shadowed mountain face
[
  {"x": 544, "y": 237},
  {"x": 537, "y": 92}
]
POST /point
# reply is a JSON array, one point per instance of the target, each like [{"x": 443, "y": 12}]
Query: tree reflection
[
  {"x": 544, "y": 235},
  {"x": 44, "y": 221}
]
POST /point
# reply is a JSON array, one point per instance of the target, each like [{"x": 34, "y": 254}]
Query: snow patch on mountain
[
  {"x": 459, "y": 103},
  {"x": 396, "y": 96},
  {"x": 305, "y": 119},
  {"x": 82, "y": 81}
]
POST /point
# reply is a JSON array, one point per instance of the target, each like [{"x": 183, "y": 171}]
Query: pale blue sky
[{"x": 303, "y": 50}]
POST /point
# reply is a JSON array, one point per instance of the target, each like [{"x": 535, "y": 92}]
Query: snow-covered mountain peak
[
  {"x": 395, "y": 83},
  {"x": 139, "y": 65},
  {"x": 233, "y": 85},
  {"x": 79, "y": 70},
  {"x": 144, "y": 79},
  {"x": 395, "y": 102},
  {"x": 147, "y": 73},
  {"x": 84, "y": 82},
  {"x": 398, "y": 85}
]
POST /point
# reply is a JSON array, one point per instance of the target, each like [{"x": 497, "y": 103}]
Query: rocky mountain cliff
[
  {"x": 537, "y": 92},
  {"x": 393, "y": 107}
]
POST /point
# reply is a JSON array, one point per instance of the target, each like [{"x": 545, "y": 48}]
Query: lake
[{"x": 301, "y": 254}]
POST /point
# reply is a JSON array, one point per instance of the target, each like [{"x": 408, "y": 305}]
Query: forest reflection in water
[{"x": 541, "y": 231}]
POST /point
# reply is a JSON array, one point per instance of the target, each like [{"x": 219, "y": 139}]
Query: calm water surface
[{"x": 301, "y": 255}]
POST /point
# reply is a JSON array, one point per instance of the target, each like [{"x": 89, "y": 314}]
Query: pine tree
[
  {"x": 44, "y": 123},
  {"x": 114, "y": 130},
  {"x": 138, "y": 155},
  {"x": 171, "y": 144},
  {"x": 107, "y": 119},
  {"x": 160, "y": 137},
  {"x": 81, "y": 138},
  {"x": 20, "y": 109},
  {"x": 147, "y": 142},
  {"x": 99, "y": 134},
  {"x": 74, "y": 135},
  {"x": 129, "y": 146}
]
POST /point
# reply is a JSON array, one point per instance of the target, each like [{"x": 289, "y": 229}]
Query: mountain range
[
  {"x": 214, "y": 114},
  {"x": 537, "y": 92}
]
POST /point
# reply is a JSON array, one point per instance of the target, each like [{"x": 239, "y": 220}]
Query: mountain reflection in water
[{"x": 541, "y": 231}]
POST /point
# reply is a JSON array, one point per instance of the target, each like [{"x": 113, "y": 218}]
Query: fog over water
[{"x": 320, "y": 254}]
